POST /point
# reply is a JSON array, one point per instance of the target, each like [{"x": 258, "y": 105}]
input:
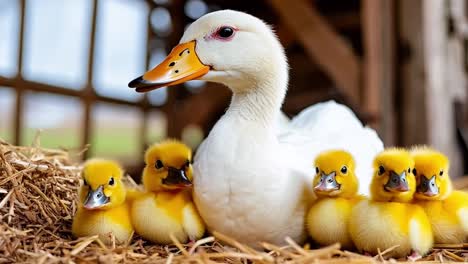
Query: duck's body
[
  {"x": 382, "y": 225},
  {"x": 449, "y": 218},
  {"x": 103, "y": 205},
  {"x": 103, "y": 222},
  {"x": 328, "y": 221},
  {"x": 258, "y": 167},
  {"x": 166, "y": 206},
  {"x": 156, "y": 215},
  {"x": 388, "y": 218},
  {"x": 447, "y": 209},
  {"x": 232, "y": 192},
  {"x": 252, "y": 171},
  {"x": 336, "y": 186}
]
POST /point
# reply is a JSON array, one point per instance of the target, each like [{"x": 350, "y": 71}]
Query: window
[
  {"x": 120, "y": 47},
  {"x": 116, "y": 132},
  {"x": 9, "y": 21},
  {"x": 56, "y": 42},
  {"x": 56, "y": 52},
  {"x": 7, "y": 104},
  {"x": 58, "y": 117},
  {"x": 156, "y": 127}
]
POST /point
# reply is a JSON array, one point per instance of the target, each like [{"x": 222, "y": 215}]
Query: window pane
[
  {"x": 7, "y": 113},
  {"x": 9, "y": 32},
  {"x": 120, "y": 47},
  {"x": 192, "y": 135},
  {"x": 116, "y": 131},
  {"x": 156, "y": 127},
  {"x": 56, "y": 41},
  {"x": 59, "y": 118}
]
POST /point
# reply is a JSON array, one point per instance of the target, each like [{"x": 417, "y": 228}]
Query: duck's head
[
  {"x": 168, "y": 166},
  {"x": 393, "y": 179},
  {"x": 335, "y": 174},
  {"x": 102, "y": 186},
  {"x": 431, "y": 170},
  {"x": 229, "y": 47}
]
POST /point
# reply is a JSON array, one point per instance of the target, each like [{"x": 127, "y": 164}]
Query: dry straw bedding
[{"x": 38, "y": 197}]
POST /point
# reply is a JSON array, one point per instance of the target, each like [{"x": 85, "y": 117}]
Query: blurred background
[{"x": 64, "y": 68}]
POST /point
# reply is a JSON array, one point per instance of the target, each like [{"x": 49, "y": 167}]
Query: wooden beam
[
  {"x": 89, "y": 90},
  {"x": 412, "y": 127},
  {"x": 378, "y": 67},
  {"x": 19, "y": 106},
  {"x": 322, "y": 44}
]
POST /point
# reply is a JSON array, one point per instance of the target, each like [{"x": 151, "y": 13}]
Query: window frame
[{"x": 88, "y": 96}]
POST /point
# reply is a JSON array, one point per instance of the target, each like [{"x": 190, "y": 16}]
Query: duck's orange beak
[{"x": 181, "y": 65}]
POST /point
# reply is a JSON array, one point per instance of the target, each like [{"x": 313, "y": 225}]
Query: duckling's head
[
  {"x": 393, "y": 179},
  {"x": 431, "y": 170},
  {"x": 335, "y": 174},
  {"x": 102, "y": 186},
  {"x": 168, "y": 166},
  {"x": 229, "y": 47}
]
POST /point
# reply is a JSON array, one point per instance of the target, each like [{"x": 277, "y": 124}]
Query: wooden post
[
  {"x": 20, "y": 87},
  {"x": 89, "y": 92},
  {"x": 378, "y": 68},
  {"x": 446, "y": 78},
  {"x": 412, "y": 125}
]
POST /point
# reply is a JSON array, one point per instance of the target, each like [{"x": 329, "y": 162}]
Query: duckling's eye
[
  {"x": 187, "y": 163},
  {"x": 409, "y": 170},
  {"x": 316, "y": 170},
  {"x": 344, "y": 169},
  {"x": 415, "y": 172},
  {"x": 85, "y": 183},
  {"x": 159, "y": 164},
  {"x": 111, "y": 181},
  {"x": 441, "y": 173},
  {"x": 225, "y": 32},
  {"x": 381, "y": 170}
]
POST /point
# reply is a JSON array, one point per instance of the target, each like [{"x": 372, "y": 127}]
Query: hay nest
[{"x": 38, "y": 197}]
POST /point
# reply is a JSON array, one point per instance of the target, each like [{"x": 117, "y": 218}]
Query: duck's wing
[{"x": 327, "y": 126}]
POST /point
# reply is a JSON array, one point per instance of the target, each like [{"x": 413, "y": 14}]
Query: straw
[{"x": 38, "y": 198}]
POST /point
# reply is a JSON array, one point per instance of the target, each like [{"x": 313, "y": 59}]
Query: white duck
[{"x": 252, "y": 172}]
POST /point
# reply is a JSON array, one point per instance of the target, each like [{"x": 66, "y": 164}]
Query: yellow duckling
[
  {"x": 447, "y": 210},
  {"x": 167, "y": 206},
  {"x": 336, "y": 186},
  {"x": 389, "y": 219},
  {"x": 102, "y": 206}
]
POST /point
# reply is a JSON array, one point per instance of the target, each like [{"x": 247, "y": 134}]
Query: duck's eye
[
  {"x": 159, "y": 164},
  {"x": 344, "y": 169},
  {"x": 441, "y": 173},
  {"x": 415, "y": 172},
  {"x": 316, "y": 170},
  {"x": 225, "y": 32},
  {"x": 381, "y": 170},
  {"x": 85, "y": 183},
  {"x": 111, "y": 181}
]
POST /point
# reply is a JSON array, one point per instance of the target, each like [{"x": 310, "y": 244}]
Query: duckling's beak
[
  {"x": 427, "y": 186},
  {"x": 327, "y": 183},
  {"x": 176, "y": 177},
  {"x": 181, "y": 65},
  {"x": 397, "y": 182},
  {"x": 96, "y": 198}
]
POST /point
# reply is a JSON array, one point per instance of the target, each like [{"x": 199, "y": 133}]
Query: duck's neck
[{"x": 259, "y": 101}]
